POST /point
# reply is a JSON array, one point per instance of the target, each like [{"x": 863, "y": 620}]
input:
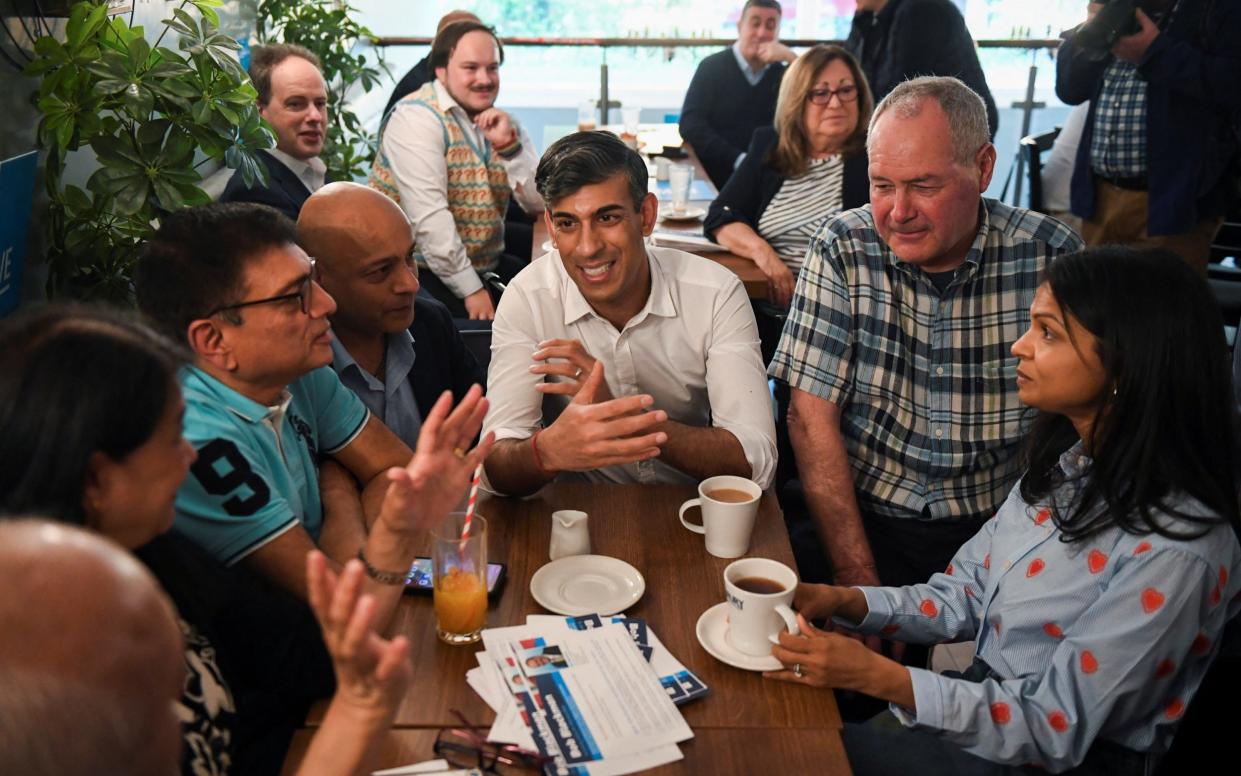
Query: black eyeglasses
[
  {"x": 302, "y": 294},
  {"x": 846, "y": 93},
  {"x": 465, "y": 747}
]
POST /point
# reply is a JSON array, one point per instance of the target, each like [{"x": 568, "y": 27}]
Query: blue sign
[{"x": 16, "y": 196}]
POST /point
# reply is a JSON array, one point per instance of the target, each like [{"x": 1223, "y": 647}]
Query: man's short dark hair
[
  {"x": 772, "y": 4},
  {"x": 446, "y": 41},
  {"x": 585, "y": 158},
  {"x": 263, "y": 60},
  {"x": 195, "y": 262}
]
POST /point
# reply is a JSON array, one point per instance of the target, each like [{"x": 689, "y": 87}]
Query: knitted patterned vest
[{"x": 478, "y": 190}]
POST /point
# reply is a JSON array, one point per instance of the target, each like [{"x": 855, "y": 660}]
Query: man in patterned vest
[{"x": 451, "y": 160}]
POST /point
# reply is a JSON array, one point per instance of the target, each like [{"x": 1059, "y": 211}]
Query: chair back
[{"x": 1032, "y": 148}]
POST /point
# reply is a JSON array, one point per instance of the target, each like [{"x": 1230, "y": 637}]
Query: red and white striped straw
[{"x": 470, "y": 504}]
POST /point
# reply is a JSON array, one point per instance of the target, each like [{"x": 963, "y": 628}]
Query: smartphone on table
[{"x": 419, "y": 578}]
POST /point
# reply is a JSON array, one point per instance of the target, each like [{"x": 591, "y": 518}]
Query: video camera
[{"x": 1115, "y": 20}]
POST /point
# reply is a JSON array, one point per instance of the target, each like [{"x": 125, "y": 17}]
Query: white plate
[
  {"x": 712, "y": 627},
  {"x": 689, "y": 214},
  {"x": 587, "y": 584}
]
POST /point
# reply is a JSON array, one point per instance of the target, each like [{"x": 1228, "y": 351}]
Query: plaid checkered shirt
[
  {"x": 1118, "y": 143},
  {"x": 926, "y": 383}
]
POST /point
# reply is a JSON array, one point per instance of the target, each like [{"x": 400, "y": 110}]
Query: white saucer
[
  {"x": 587, "y": 584},
  {"x": 712, "y": 627},
  {"x": 689, "y": 214}
]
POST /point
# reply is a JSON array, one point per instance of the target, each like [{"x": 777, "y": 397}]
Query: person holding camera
[{"x": 1158, "y": 161}]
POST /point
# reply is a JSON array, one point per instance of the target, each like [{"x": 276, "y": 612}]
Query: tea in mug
[
  {"x": 729, "y": 495},
  {"x": 759, "y": 585}
]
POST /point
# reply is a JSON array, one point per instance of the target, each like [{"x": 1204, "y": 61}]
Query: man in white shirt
[
  {"x": 602, "y": 316},
  {"x": 452, "y": 160},
  {"x": 293, "y": 100}
]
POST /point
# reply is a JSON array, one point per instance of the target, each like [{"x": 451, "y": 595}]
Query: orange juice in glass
[{"x": 459, "y": 574}]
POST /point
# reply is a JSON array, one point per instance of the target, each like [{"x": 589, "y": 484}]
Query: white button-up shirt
[
  {"x": 312, "y": 172},
  {"x": 414, "y": 142},
  {"x": 693, "y": 347}
]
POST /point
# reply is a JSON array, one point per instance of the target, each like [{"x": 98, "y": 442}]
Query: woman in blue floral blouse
[{"x": 1098, "y": 593}]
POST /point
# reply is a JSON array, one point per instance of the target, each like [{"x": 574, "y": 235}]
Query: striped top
[{"x": 800, "y": 208}]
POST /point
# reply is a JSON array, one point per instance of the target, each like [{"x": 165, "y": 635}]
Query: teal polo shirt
[{"x": 256, "y": 475}]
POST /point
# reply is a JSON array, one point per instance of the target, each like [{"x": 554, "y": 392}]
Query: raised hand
[
  {"x": 372, "y": 673},
  {"x": 775, "y": 51},
  {"x": 591, "y": 433},
  {"x": 497, "y": 127},
  {"x": 1132, "y": 48},
  {"x": 433, "y": 482},
  {"x": 576, "y": 367}
]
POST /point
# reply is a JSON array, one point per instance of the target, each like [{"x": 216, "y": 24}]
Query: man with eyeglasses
[
  {"x": 904, "y": 418},
  {"x": 263, "y": 410},
  {"x": 396, "y": 349}
]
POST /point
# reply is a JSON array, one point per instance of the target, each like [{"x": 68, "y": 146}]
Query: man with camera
[{"x": 1158, "y": 160}]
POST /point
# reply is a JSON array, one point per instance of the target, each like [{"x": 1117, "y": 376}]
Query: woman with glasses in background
[{"x": 797, "y": 174}]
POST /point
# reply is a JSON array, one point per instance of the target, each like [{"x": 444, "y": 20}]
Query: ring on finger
[
  {"x": 797, "y": 670},
  {"x": 459, "y": 452},
  {"x": 578, "y": 374}
]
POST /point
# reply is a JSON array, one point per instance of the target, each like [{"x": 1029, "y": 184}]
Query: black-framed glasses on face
[
  {"x": 466, "y": 747},
  {"x": 846, "y": 93},
  {"x": 302, "y": 294}
]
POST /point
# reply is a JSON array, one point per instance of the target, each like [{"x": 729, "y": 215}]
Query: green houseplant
[
  {"x": 152, "y": 116},
  {"x": 328, "y": 28}
]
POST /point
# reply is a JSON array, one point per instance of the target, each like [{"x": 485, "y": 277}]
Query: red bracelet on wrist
[{"x": 534, "y": 448}]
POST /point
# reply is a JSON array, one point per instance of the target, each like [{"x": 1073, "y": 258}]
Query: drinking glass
[
  {"x": 680, "y": 178},
  {"x": 459, "y": 573}
]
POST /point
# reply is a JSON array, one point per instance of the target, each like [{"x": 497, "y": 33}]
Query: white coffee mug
[
  {"x": 727, "y": 525},
  {"x": 756, "y": 617}
]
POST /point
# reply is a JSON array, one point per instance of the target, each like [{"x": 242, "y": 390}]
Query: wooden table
[{"x": 745, "y": 725}]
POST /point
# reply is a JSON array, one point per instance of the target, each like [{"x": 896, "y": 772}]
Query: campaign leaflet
[
  {"x": 681, "y": 684},
  {"x": 588, "y": 698}
]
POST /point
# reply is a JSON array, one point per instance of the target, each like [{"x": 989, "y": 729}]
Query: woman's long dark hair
[
  {"x": 1165, "y": 427},
  {"x": 74, "y": 381}
]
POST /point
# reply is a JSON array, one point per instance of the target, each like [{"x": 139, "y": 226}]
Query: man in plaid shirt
[
  {"x": 1157, "y": 164},
  {"x": 904, "y": 417}
]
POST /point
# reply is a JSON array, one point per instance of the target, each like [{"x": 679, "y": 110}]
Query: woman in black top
[{"x": 795, "y": 176}]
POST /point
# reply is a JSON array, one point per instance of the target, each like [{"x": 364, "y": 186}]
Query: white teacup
[
  {"x": 726, "y": 522},
  {"x": 757, "y": 617}
]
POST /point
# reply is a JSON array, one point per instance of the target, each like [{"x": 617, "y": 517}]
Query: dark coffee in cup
[
  {"x": 759, "y": 585},
  {"x": 729, "y": 495}
]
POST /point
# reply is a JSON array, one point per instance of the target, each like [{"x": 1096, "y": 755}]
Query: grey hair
[
  {"x": 52, "y": 724},
  {"x": 966, "y": 112}
]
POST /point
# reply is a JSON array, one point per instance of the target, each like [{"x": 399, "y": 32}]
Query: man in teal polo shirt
[{"x": 281, "y": 443}]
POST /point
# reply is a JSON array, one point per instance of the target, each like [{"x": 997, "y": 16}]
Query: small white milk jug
[{"x": 570, "y": 534}]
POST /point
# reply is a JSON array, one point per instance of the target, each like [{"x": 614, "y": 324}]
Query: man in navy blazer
[
  {"x": 396, "y": 350},
  {"x": 1158, "y": 161},
  {"x": 293, "y": 100}
]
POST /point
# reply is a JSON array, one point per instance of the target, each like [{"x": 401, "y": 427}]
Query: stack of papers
[{"x": 597, "y": 694}]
